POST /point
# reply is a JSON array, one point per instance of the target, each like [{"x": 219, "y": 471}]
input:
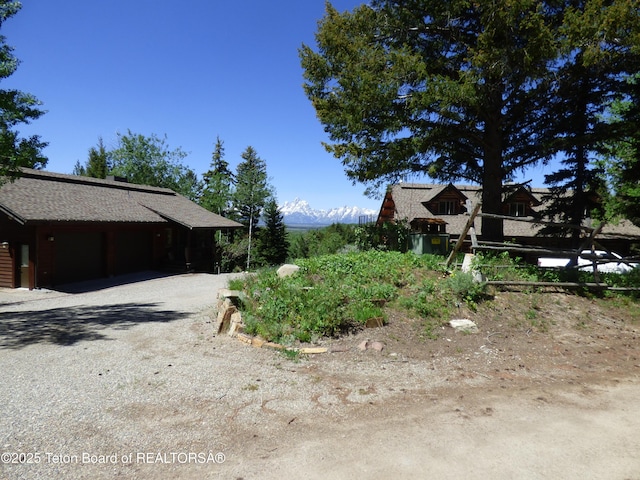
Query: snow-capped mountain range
[{"x": 298, "y": 212}]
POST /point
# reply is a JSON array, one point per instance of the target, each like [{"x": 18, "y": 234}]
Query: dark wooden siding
[
  {"x": 7, "y": 268},
  {"x": 78, "y": 256},
  {"x": 63, "y": 253},
  {"x": 45, "y": 257},
  {"x": 15, "y": 235}
]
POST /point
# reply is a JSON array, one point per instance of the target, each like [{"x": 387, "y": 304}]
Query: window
[
  {"x": 447, "y": 207},
  {"x": 517, "y": 209}
]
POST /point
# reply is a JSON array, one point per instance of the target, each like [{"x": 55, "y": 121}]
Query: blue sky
[{"x": 192, "y": 70}]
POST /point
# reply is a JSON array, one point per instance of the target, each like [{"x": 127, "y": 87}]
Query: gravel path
[
  {"x": 127, "y": 381},
  {"x": 104, "y": 372}
]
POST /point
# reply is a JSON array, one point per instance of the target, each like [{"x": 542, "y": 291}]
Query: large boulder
[{"x": 287, "y": 269}]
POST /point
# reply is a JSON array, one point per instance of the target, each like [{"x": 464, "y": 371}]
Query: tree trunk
[
  {"x": 492, "y": 228},
  {"x": 492, "y": 177},
  {"x": 250, "y": 235}
]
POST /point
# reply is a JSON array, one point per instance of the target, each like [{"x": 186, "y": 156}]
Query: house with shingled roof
[
  {"x": 438, "y": 209},
  {"x": 57, "y": 229}
]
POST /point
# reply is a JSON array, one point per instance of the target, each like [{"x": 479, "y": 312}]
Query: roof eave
[
  {"x": 186, "y": 225},
  {"x": 12, "y": 215}
]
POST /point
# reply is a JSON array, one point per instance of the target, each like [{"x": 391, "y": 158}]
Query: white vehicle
[{"x": 606, "y": 262}]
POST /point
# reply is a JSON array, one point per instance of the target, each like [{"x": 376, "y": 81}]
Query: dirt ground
[{"x": 548, "y": 388}]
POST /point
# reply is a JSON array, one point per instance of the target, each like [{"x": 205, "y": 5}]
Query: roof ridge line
[{"x": 84, "y": 180}]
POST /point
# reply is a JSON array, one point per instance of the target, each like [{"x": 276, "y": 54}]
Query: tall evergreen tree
[
  {"x": 450, "y": 88},
  {"x": 218, "y": 183},
  {"x": 98, "y": 164},
  {"x": 574, "y": 187},
  {"x": 623, "y": 154},
  {"x": 622, "y": 162},
  {"x": 591, "y": 75},
  {"x": 251, "y": 192},
  {"x": 272, "y": 243},
  {"x": 16, "y": 108}
]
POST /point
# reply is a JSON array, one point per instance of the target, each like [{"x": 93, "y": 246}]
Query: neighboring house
[
  {"x": 57, "y": 229},
  {"x": 433, "y": 209}
]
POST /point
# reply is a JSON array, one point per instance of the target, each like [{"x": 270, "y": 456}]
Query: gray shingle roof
[
  {"x": 39, "y": 196},
  {"x": 409, "y": 200}
]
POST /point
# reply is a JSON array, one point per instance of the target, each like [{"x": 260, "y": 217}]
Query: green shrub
[
  {"x": 322, "y": 241},
  {"x": 332, "y": 294},
  {"x": 463, "y": 286},
  {"x": 364, "y": 311},
  {"x": 504, "y": 267},
  {"x": 236, "y": 284}
]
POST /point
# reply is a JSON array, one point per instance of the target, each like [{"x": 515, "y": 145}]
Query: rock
[
  {"x": 287, "y": 269},
  {"x": 366, "y": 344},
  {"x": 235, "y": 325},
  {"x": 467, "y": 267},
  {"x": 226, "y": 293},
  {"x": 229, "y": 319},
  {"x": 313, "y": 350},
  {"x": 374, "y": 322},
  {"x": 223, "y": 322},
  {"x": 464, "y": 325},
  {"x": 466, "y": 263}
]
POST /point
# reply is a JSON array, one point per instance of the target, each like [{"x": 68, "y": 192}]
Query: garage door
[
  {"x": 133, "y": 251},
  {"x": 78, "y": 257}
]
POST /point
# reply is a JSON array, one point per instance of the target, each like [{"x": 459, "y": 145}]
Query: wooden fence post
[{"x": 463, "y": 234}]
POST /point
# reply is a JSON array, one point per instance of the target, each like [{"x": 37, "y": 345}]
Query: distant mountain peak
[{"x": 299, "y": 212}]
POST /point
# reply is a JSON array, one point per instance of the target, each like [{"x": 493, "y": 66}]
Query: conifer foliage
[
  {"x": 473, "y": 91},
  {"x": 218, "y": 183},
  {"x": 272, "y": 242},
  {"x": 251, "y": 193},
  {"x": 98, "y": 164},
  {"x": 594, "y": 63},
  {"x": 16, "y": 108}
]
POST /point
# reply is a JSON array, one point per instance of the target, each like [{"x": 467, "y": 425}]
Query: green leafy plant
[
  {"x": 236, "y": 284},
  {"x": 331, "y": 294},
  {"x": 291, "y": 354},
  {"x": 504, "y": 267},
  {"x": 364, "y": 311},
  {"x": 463, "y": 286}
]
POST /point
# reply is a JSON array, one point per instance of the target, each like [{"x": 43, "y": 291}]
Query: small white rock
[{"x": 464, "y": 325}]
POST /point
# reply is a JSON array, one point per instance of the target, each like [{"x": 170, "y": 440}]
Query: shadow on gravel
[
  {"x": 66, "y": 326},
  {"x": 117, "y": 281}
]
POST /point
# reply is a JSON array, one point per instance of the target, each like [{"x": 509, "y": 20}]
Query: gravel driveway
[
  {"x": 102, "y": 370},
  {"x": 127, "y": 381}
]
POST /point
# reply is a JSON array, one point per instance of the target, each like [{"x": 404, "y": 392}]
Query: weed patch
[
  {"x": 289, "y": 354},
  {"x": 331, "y": 294}
]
